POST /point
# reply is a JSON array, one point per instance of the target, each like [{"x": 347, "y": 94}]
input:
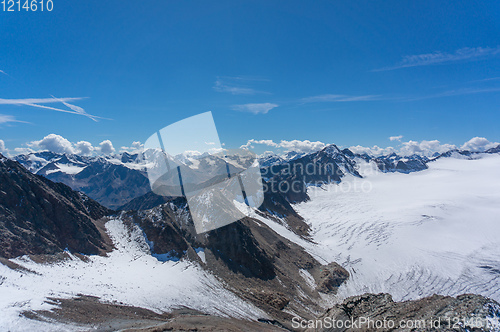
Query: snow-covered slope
[
  {"x": 412, "y": 235},
  {"x": 129, "y": 275}
]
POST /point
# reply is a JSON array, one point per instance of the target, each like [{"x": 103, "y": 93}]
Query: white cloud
[
  {"x": 372, "y": 151},
  {"x": 478, "y": 144},
  {"x": 457, "y": 92},
  {"x": 301, "y": 146},
  {"x": 106, "y": 147},
  {"x": 340, "y": 98},
  {"x": 295, "y": 145},
  {"x": 58, "y": 144},
  {"x": 236, "y": 85},
  {"x": 235, "y": 90},
  {"x": 8, "y": 118},
  {"x": 396, "y": 138},
  {"x": 54, "y": 143},
  {"x": 261, "y": 108},
  {"x": 135, "y": 148},
  {"x": 35, "y": 102},
  {"x": 3, "y": 149},
  {"x": 23, "y": 151},
  {"x": 84, "y": 148},
  {"x": 267, "y": 142},
  {"x": 463, "y": 54},
  {"x": 424, "y": 148}
]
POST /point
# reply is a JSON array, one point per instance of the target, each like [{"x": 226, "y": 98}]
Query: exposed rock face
[
  {"x": 89, "y": 312},
  {"x": 108, "y": 181},
  {"x": 465, "y": 154},
  {"x": 276, "y": 207},
  {"x": 38, "y": 216},
  {"x": 109, "y": 184},
  {"x": 331, "y": 277},
  {"x": 292, "y": 178},
  {"x": 395, "y": 163},
  {"x": 145, "y": 202},
  {"x": 458, "y": 154},
  {"x": 269, "y": 159},
  {"x": 255, "y": 262},
  {"x": 494, "y": 150},
  {"x": 435, "y": 313}
]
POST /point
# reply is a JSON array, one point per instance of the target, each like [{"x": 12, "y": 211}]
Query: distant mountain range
[
  {"x": 112, "y": 181},
  {"x": 267, "y": 260},
  {"x": 116, "y": 180}
]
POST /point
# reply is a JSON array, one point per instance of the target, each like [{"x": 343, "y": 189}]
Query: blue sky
[{"x": 344, "y": 72}]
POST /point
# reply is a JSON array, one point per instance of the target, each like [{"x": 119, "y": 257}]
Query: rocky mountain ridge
[
  {"x": 118, "y": 179},
  {"x": 254, "y": 262},
  {"x": 38, "y": 216}
]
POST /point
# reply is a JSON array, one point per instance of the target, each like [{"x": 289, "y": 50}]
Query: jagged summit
[
  {"x": 332, "y": 150},
  {"x": 494, "y": 150},
  {"x": 117, "y": 179}
]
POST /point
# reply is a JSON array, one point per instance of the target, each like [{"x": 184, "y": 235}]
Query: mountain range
[
  {"x": 115, "y": 180},
  {"x": 101, "y": 233}
]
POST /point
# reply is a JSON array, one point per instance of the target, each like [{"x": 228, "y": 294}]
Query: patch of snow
[
  {"x": 412, "y": 235},
  {"x": 309, "y": 279},
  {"x": 129, "y": 275},
  {"x": 201, "y": 254},
  {"x": 65, "y": 168}
]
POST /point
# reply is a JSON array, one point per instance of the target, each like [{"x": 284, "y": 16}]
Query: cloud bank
[
  {"x": 58, "y": 144},
  {"x": 84, "y": 148},
  {"x": 54, "y": 143},
  {"x": 3, "y": 149},
  {"x": 135, "y": 148},
  {"x": 106, "y": 147},
  {"x": 295, "y": 145},
  {"x": 429, "y": 148},
  {"x": 375, "y": 150},
  {"x": 478, "y": 144},
  {"x": 423, "y": 148}
]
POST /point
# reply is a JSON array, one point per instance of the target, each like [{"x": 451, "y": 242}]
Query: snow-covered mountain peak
[
  {"x": 270, "y": 158},
  {"x": 331, "y": 150}
]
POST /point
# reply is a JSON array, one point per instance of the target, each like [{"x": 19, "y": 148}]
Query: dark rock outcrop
[
  {"x": 379, "y": 312},
  {"x": 494, "y": 150},
  {"x": 276, "y": 207},
  {"x": 254, "y": 262},
  {"x": 145, "y": 202},
  {"x": 111, "y": 185},
  {"x": 38, "y": 216},
  {"x": 105, "y": 180},
  {"x": 395, "y": 163},
  {"x": 292, "y": 178}
]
